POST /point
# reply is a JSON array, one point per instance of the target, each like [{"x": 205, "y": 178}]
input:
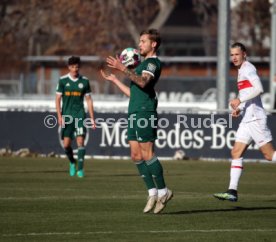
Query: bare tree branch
[{"x": 166, "y": 8}]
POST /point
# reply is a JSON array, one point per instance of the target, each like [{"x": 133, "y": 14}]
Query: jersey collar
[{"x": 73, "y": 79}]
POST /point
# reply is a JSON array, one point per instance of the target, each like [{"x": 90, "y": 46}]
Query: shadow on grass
[{"x": 234, "y": 209}]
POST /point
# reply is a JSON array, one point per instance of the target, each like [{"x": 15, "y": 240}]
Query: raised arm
[
  {"x": 111, "y": 77},
  {"x": 141, "y": 81}
]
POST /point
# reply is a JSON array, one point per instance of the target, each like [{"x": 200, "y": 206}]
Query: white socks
[
  {"x": 159, "y": 192},
  {"x": 235, "y": 173},
  {"x": 162, "y": 192},
  {"x": 152, "y": 192}
]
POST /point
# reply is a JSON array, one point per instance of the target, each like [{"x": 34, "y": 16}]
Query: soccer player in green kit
[
  {"x": 142, "y": 106},
  {"x": 71, "y": 89}
]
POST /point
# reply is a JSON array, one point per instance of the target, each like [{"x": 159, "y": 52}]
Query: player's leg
[
  {"x": 243, "y": 138},
  {"x": 81, "y": 155},
  {"x": 261, "y": 134},
  {"x": 269, "y": 152},
  {"x": 153, "y": 165},
  {"x": 136, "y": 156},
  {"x": 156, "y": 170},
  {"x": 237, "y": 164},
  {"x": 80, "y": 133},
  {"x": 146, "y": 135},
  {"x": 67, "y": 138}
]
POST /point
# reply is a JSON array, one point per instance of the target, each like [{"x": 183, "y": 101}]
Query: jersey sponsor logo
[
  {"x": 75, "y": 94},
  {"x": 80, "y": 85},
  {"x": 151, "y": 67},
  {"x": 244, "y": 84},
  {"x": 68, "y": 84}
]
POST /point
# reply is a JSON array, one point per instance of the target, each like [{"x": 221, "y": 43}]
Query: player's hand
[
  {"x": 236, "y": 113},
  {"x": 110, "y": 77},
  {"x": 60, "y": 120},
  {"x": 115, "y": 63},
  {"x": 93, "y": 124},
  {"x": 235, "y": 103}
]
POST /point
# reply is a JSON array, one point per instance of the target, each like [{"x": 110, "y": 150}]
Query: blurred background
[{"x": 37, "y": 37}]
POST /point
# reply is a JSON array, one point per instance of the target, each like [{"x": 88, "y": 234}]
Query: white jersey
[{"x": 250, "y": 89}]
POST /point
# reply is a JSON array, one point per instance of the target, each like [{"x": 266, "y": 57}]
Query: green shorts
[
  {"x": 73, "y": 130},
  {"x": 142, "y": 126}
]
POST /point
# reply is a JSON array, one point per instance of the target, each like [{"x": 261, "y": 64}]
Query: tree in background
[
  {"x": 251, "y": 25},
  {"x": 207, "y": 14},
  {"x": 80, "y": 27}
]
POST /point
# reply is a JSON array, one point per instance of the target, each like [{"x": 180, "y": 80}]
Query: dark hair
[
  {"x": 74, "y": 60},
  {"x": 154, "y": 35},
  {"x": 239, "y": 45}
]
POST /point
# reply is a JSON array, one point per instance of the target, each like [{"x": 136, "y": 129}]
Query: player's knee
[
  {"x": 136, "y": 156},
  {"x": 66, "y": 146},
  {"x": 235, "y": 153},
  {"x": 147, "y": 156},
  {"x": 268, "y": 157}
]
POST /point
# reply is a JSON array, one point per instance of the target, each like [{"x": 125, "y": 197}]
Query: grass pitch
[{"x": 40, "y": 202}]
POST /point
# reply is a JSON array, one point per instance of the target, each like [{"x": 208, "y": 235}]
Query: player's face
[
  {"x": 146, "y": 46},
  {"x": 74, "y": 70},
  {"x": 237, "y": 56}
]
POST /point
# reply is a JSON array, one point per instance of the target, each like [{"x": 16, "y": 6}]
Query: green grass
[{"x": 40, "y": 202}]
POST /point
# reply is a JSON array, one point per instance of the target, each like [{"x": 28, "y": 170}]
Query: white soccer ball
[
  {"x": 179, "y": 155},
  {"x": 130, "y": 57}
]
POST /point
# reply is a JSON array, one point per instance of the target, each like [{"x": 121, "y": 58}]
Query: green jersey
[
  {"x": 145, "y": 99},
  {"x": 73, "y": 92}
]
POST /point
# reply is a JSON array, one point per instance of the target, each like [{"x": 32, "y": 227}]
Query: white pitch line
[{"x": 141, "y": 232}]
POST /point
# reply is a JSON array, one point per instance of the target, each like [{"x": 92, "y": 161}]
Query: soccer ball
[
  {"x": 179, "y": 155},
  {"x": 130, "y": 57}
]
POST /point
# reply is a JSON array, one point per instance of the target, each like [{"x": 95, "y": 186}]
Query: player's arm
[
  {"x": 111, "y": 77},
  {"x": 58, "y": 107},
  {"x": 141, "y": 81},
  {"x": 90, "y": 108},
  {"x": 255, "y": 90}
]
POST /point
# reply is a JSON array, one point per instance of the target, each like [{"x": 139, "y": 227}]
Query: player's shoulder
[
  {"x": 84, "y": 78},
  {"x": 248, "y": 67},
  {"x": 64, "y": 77},
  {"x": 153, "y": 61}
]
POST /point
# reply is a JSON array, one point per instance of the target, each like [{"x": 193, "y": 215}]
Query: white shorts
[{"x": 256, "y": 130}]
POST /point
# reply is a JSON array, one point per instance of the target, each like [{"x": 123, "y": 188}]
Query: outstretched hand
[
  {"x": 115, "y": 63},
  {"x": 110, "y": 77}
]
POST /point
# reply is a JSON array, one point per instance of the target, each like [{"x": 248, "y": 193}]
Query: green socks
[
  {"x": 81, "y": 154},
  {"x": 70, "y": 155},
  {"x": 155, "y": 168},
  {"x": 145, "y": 174}
]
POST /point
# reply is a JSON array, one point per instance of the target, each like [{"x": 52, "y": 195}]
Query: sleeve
[
  {"x": 257, "y": 87},
  {"x": 87, "y": 90},
  {"x": 60, "y": 87},
  {"x": 150, "y": 68}
]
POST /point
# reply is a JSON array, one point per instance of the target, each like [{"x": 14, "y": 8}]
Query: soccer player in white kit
[{"x": 253, "y": 126}]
